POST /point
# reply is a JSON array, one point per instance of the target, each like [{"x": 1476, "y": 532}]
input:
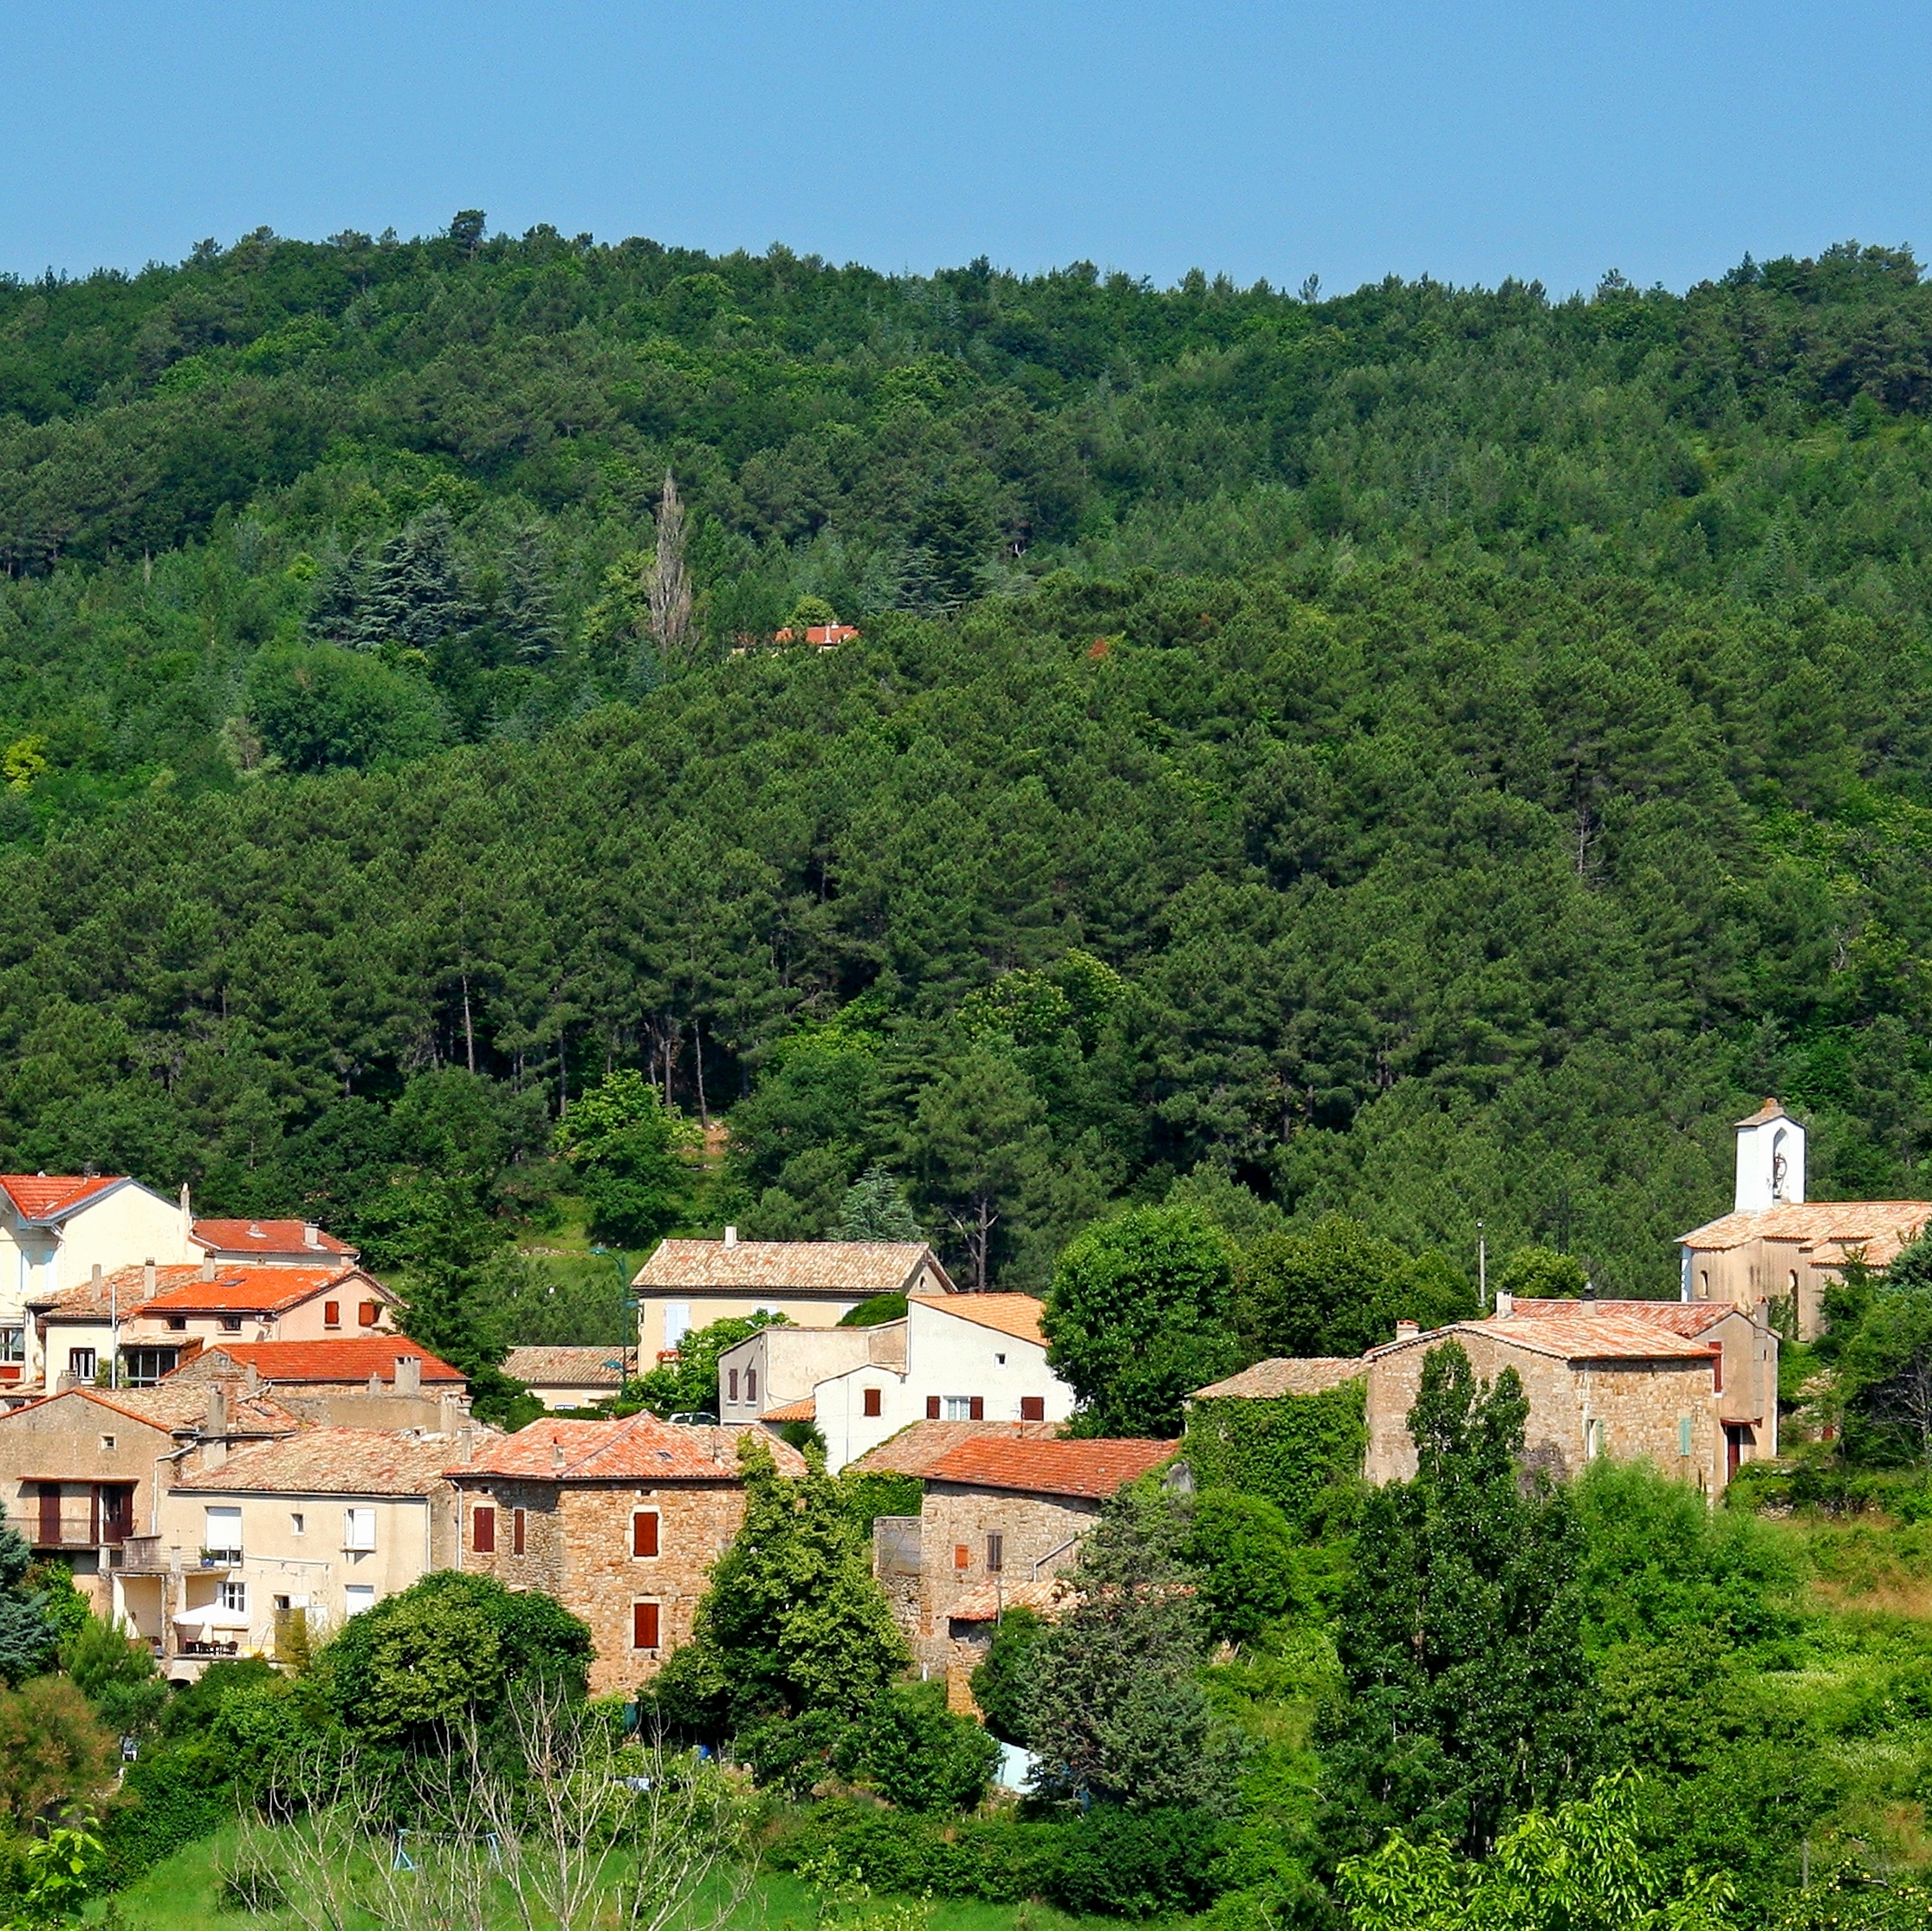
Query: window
[
  {"x": 359, "y": 1528},
  {"x": 234, "y": 1596},
  {"x": 644, "y": 1625},
  {"x": 1684, "y": 1434},
  {"x": 995, "y": 1553},
  {"x": 177, "y": 1324},
  {"x": 932, "y": 1408},
  {"x": 1717, "y": 1371},
  {"x": 1000, "y": 1359},
  {"x": 358, "y": 1597},
  {"x": 644, "y": 1532},
  {"x": 79, "y": 1363},
  {"x": 482, "y": 1530},
  {"x": 332, "y": 1313},
  {"x": 963, "y": 1557},
  {"x": 222, "y": 1535},
  {"x": 959, "y": 1408},
  {"x": 298, "y": 1523},
  {"x": 13, "y": 1343},
  {"x": 1033, "y": 1408},
  {"x": 1703, "y": 1284},
  {"x": 106, "y": 1444},
  {"x": 751, "y": 1385},
  {"x": 146, "y": 1366},
  {"x": 734, "y": 1385},
  {"x": 367, "y": 1313},
  {"x": 870, "y": 1401},
  {"x": 231, "y": 1324},
  {"x": 678, "y": 1321},
  {"x": 517, "y": 1531}
]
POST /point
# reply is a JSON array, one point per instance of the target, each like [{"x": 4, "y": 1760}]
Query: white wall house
[
  {"x": 968, "y": 1357},
  {"x": 778, "y": 1367}
]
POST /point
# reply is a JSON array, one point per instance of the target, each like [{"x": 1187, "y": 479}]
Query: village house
[
  {"x": 564, "y": 1378},
  {"x": 968, "y": 1357},
  {"x": 82, "y": 1473},
  {"x": 770, "y": 1375},
  {"x": 619, "y": 1520},
  {"x": 355, "y": 1380},
  {"x": 56, "y": 1230},
  {"x": 317, "y": 1527},
  {"x": 1775, "y": 1254},
  {"x": 689, "y": 1284},
  {"x": 1001, "y": 1512},
  {"x": 268, "y": 1243}
]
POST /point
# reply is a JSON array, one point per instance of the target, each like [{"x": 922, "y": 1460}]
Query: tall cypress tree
[{"x": 1460, "y": 1637}]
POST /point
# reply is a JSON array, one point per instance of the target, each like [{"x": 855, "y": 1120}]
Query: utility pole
[{"x": 1481, "y": 1269}]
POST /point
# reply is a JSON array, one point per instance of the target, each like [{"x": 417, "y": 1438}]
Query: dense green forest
[{"x": 1434, "y": 753}]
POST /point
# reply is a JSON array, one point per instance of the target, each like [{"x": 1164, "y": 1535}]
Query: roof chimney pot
[
  {"x": 311, "y": 1235},
  {"x": 148, "y": 1275},
  {"x": 207, "y": 1266},
  {"x": 97, "y": 1274},
  {"x": 1407, "y": 1331},
  {"x": 730, "y": 1236},
  {"x": 1506, "y": 1304},
  {"x": 556, "y": 1453}
]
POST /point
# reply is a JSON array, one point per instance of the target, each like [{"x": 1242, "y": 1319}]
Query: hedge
[
  {"x": 1294, "y": 1449},
  {"x": 1109, "y": 1862}
]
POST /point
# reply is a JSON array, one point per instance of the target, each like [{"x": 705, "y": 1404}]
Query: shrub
[
  {"x": 1245, "y": 1555},
  {"x": 1003, "y": 1682},
  {"x": 916, "y": 1752}
]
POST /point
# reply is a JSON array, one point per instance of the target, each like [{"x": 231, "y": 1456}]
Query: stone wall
[
  {"x": 1032, "y": 1529},
  {"x": 577, "y": 1544}
]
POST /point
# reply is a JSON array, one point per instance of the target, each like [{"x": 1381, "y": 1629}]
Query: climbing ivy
[{"x": 1294, "y": 1449}]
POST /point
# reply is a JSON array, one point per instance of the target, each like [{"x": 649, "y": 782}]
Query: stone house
[
  {"x": 619, "y": 1520},
  {"x": 358, "y": 1381},
  {"x": 322, "y": 1525},
  {"x": 82, "y": 1473},
  {"x": 1775, "y": 1254},
  {"x": 968, "y": 1357},
  {"x": 689, "y": 1284},
  {"x": 57, "y": 1231},
  {"x": 1001, "y": 1511},
  {"x": 566, "y": 1376}
]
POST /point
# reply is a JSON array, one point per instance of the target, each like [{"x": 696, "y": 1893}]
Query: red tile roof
[
  {"x": 1584, "y": 1338},
  {"x": 1773, "y": 1108},
  {"x": 638, "y": 1448},
  {"x": 1688, "y": 1317},
  {"x": 1880, "y": 1228},
  {"x": 238, "y": 1288},
  {"x": 806, "y": 1408},
  {"x": 772, "y": 1266},
  {"x": 1092, "y": 1469},
  {"x": 917, "y": 1447},
  {"x": 266, "y": 1237},
  {"x": 1015, "y": 1315},
  {"x": 569, "y": 1367},
  {"x": 353, "y": 1358},
  {"x": 1310, "y": 1374},
  {"x": 46, "y": 1197},
  {"x": 169, "y": 1407},
  {"x": 332, "y": 1461}
]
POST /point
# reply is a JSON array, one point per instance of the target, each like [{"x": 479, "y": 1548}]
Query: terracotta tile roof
[
  {"x": 1092, "y": 1469},
  {"x": 1595, "y": 1337},
  {"x": 797, "y": 1266},
  {"x": 1290, "y": 1375},
  {"x": 914, "y": 1449},
  {"x": 126, "y": 1287},
  {"x": 268, "y": 1237},
  {"x": 805, "y": 1410},
  {"x": 45, "y": 1196},
  {"x": 1690, "y": 1318},
  {"x": 574, "y": 1367},
  {"x": 334, "y": 1462},
  {"x": 1881, "y": 1228},
  {"x": 171, "y": 1406},
  {"x": 241, "y": 1289},
  {"x": 638, "y": 1448},
  {"x": 1016, "y": 1315},
  {"x": 1771, "y": 1110},
  {"x": 1050, "y": 1597},
  {"x": 353, "y": 1358}
]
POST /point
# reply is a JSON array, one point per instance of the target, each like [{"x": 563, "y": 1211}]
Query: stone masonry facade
[{"x": 578, "y": 1541}]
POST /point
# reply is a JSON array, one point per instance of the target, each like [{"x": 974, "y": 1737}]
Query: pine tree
[
  {"x": 414, "y": 596},
  {"x": 875, "y": 1209},
  {"x": 335, "y": 605},
  {"x": 529, "y": 607}
]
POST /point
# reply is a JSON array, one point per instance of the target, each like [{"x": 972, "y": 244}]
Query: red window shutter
[
  {"x": 1033, "y": 1408},
  {"x": 367, "y": 1313},
  {"x": 332, "y": 1313},
  {"x": 517, "y": 1531},
  {"x": 483, "y": 1531},
  {"x": 961, "y": 1556},
  {"x": 932, "y": 1408},
  {"x": 872, "y": 1401},
  {"x": 644, "y": 1625},
  {"x": 644, "y": 1532},
  {"x": 977, "y": 1408}
]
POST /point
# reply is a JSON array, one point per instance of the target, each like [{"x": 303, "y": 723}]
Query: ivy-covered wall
[{"x": 1288, "y": 1447}]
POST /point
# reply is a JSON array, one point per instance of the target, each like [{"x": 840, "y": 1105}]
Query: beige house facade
[
  {"x": 774, "y": 1372},
  {"x": 689, "y": 1284},
  {"x": 565, "y": 1377}
]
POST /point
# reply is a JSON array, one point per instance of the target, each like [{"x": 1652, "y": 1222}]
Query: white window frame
[
  {"x": 358, "y": 1531},
  {"x": 956, "y": 1407},
  {"x": 677, "y": 1322},
  {"x": 232, "y": 1596},
  {"x": 356, "y": 1597},
  {"x": 222, "y": 1529}
]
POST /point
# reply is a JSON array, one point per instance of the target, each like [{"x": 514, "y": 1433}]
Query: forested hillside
[{"x": 1433, "y": 753}]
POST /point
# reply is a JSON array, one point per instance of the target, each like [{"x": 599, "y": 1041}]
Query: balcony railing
[{"x": 221, "y": 1558}]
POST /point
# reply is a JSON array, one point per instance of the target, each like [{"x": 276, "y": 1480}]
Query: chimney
[
  {"x": 375, "y": 1381},
  {"x": 730, "y": 1236},
  {"x": 216, "y": 1422},
  {"x": 449, "y": 1416},
  {"x": 187, "y": 1223},
  {"x": 97, "y": 1274},
  {"x": 1407, "y": 1331},
  {"x": 556, "y": 1453},
  {"x": 409, "y": 1374},
  {"x": 311, "y": 1235},
  {"x": 147, "y": 1277},
  {"x": 1589, "y": 1297},
  {"x": 1506, "y": 1305},
  {"x": 466, "y": 1441},
  {"x": 252, "y": 1385},
  {"x": 207, "y": 1266}
]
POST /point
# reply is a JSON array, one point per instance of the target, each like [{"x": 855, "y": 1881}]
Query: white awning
[{"x": 214, "y": 1616}]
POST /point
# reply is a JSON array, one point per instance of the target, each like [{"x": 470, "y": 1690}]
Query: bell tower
[{"x": 1770, "y": 1159}]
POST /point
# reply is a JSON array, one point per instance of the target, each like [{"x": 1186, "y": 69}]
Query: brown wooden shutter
[
  {"x": 1033, "y": 1408},
  {"x": 332, "y": 1313},
  {"x": 871, "y": 1404},
  {"x": 50, "y": 1515},
  {"x": 367, "y": 1313},
  {"x": 732, "y": 1382},
  {"x": 975, "y": 1407},
  {"x": 932, "y": 1408},
  {"x": 644, "y": 1532},
  {"x": 644, "y": 1625},
  {"x": 483, "y": 1521},
  {"x": 517, "y": 1531}
]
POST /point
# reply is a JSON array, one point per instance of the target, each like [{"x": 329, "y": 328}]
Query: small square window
[
  {"x": 1000, "y": 1359},
  {"x": 106, "y": 1444},
  {"x": 298, "y": 1523},
  {"x": 231, "y": 1324},
  {"x": 177, "y": 1324},
  {"x": 1033, "y": 1408},
  {"x": 234, "y": 1597}
]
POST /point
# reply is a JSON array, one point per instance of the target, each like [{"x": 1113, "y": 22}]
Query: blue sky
[{"x": 1346, "y": 140}]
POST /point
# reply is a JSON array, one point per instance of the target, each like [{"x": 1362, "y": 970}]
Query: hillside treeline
[{"x": 1434, "y": 753}]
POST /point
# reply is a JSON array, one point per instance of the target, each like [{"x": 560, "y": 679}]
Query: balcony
[{"x": 220, "y": 1558}]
